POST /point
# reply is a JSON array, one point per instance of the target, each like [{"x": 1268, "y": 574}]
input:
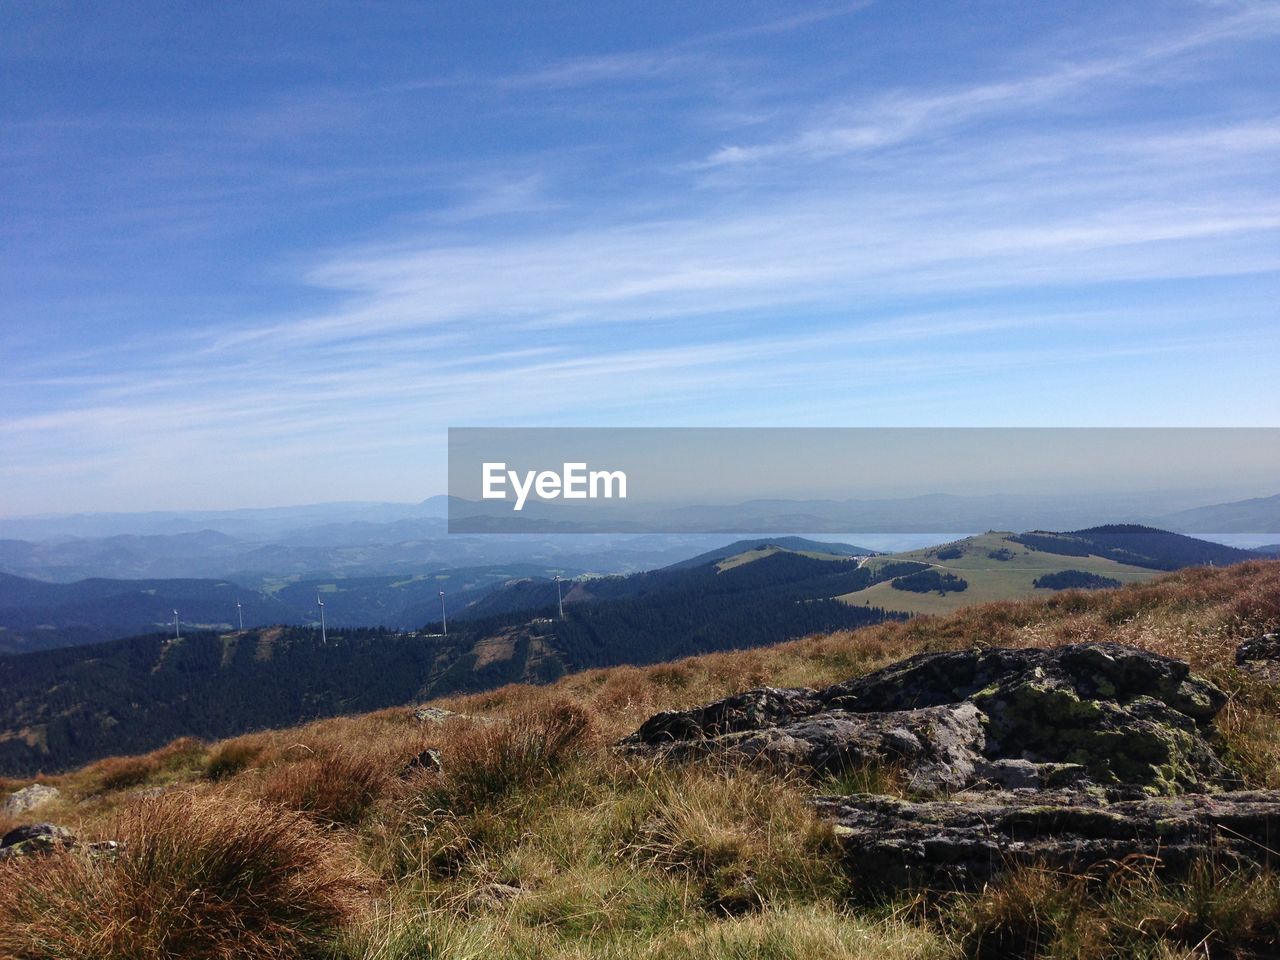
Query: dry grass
[
  {"x": 1124, "y": 913},
  {"x": 604, "y": 857},
  {"x": 196, "y": 876}
]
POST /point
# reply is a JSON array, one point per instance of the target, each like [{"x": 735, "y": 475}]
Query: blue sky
[{"x": 266, "y": 253}]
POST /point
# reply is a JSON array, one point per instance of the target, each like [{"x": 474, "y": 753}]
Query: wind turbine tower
[
  {"x": 559, "y": 598},
  {"x": 444, "y": 622},
  {"x": 177, "y": 626},
  {"x": 240, "y": 615},
  {"x": 324, "y": 640}
]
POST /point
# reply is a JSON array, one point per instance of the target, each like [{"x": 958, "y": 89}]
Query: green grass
[{"x": 989, "y": 579}]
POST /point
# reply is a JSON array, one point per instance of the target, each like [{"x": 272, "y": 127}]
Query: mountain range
[{"x": 65, "y": 706}]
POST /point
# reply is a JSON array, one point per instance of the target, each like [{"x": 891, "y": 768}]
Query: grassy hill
[
  {"x": 1005, "y": 566},
  {"x": 739, "y": 548},
  {"x": 539, "y": 840},
  {"x": 995, "y": 566}
]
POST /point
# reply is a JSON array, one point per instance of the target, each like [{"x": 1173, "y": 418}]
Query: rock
[
  {"x": 1260, "y": 657},
  {"x": 433, "y": 714},
  {"x": 28, "y": 798},
  {"x": 440, "y": 715},
  {"x": 492, "y": 895},
  {"x": 35, "y": 839},
  {"x": 1104, "y": 713},
  {"x": 428, "y": 761},
  {"x": 963, "y": 842},
  {"x": 753, "y": 710}
]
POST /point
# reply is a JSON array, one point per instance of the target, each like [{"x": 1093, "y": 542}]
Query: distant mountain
[
  {"x": 1006, "y": 566},
  {"x": 927, "y": 513},
  {"x": 1270, "y": 550},
  {"x": 1258, "y": 515},
  {"x": 1138, "y": 546},
  {"x": 257, "y": 523},
  {"x": 349, "y": 548},
  {"x": 797, "y": 544},
  {"x": 35, "y": 615}
]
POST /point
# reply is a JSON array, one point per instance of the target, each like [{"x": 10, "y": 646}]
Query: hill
[
  {"x": 1137, "y": 546},
  {"x": 536, "y": 838},
  {"x": 1256, "y": 515},
  {"x": 35, "y": 615},
  {"x": 1004, "y": 566},
  {"x": 63, "y": 707},
  {"x": 795, "y": 544}
]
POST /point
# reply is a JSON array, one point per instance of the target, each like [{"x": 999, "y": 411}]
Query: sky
[{"x": 257, "y": 253}]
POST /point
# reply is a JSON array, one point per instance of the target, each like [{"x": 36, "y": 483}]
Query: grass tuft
[{"x": 196, "y": 876}]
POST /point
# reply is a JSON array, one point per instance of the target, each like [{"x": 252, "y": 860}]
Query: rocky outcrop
[
  {"x": 28, "y": 798},
  {"x": 1095, "y": 713},
  {"x": 1260, "y": 657},
  {"x": 1068, "y": 757},
  {"x": 964, "y": 841}
]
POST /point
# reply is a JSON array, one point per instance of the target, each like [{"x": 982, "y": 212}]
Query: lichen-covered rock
[
  {"x": 1110, "y": 714},
  {"x": 28, "y": 798},
  {"x": 753, "y": 710},
  {"x": 938, "y": 746},
  {"x": 34, "y": 839},
  {"x": 964, "y": 841}
]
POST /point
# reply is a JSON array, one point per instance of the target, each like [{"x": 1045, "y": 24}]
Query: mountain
[
  {"x": 1256, "y": 515},
  {"x": 66, "y": 706},
  {"x": 1005, "y": 566},
  {"x": 796, "y": 544},
  {"x": 35, "y": 615},
  {"x": 335, "y": 548},
  {"x": 1138, "y": 546}
]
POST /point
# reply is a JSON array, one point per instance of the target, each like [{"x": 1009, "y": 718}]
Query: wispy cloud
[
  {"x": 903, "y": 115},
  {"x": 957, "y": 255}
]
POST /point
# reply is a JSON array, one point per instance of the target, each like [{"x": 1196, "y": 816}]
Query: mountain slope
[
  {"x": 1004, "y": 566},
  {"x": 796, "y": 544},
  {"x": 1136, "y": 545},
  {"x": 1256, "y": 515},
  {"x": 38, "y": 616},
  {"x": 63, "y": 707}
]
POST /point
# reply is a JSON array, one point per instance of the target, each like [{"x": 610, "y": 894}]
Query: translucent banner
[{"x": 873, "y": 480}]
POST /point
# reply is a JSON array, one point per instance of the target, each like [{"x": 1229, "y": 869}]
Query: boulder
[
  {"x": 433, "y": 714},
  {"x": 1105, "y": 714},
  {"x": 428, "y": 761},
  {"x": 28, "y": 798},
  {"x": 965, "y": 841},
  {"x": 1260, "y": 657},
  {"x": 35, "y": 839}
]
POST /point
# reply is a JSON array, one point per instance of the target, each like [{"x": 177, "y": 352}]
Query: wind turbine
[
  {"x": 177, "y": 626},
  {"x": 559, "y": 598},
  {"x": 444, "y": 623},
  {"x": 240, "y": 614},
  {"x": 324, "y": 641}
]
